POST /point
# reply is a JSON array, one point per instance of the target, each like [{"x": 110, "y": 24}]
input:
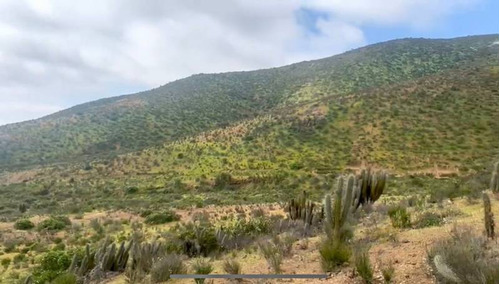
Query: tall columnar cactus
[
  {"x": 494, "y": 179},
  {"x": 343, "y": 205},
  {"x": 85, "y": 265},
  {"x": 105, "y": 258},
  {"x": 371, "y": 187},
  {"x": 142, "y": 255},
  {"x": 489, "y": 222},
  {"x": 301, "y": 209}
]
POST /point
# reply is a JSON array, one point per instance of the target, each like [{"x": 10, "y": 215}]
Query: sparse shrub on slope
[
  {"x": 465, "y": 258},
  {"x": 273, "y": 255},
  {"x": 362, "y": 264},
  {"x": 52, "y": 264},
  {"x": 65, "y": 278},
  {"x": 387, "y": 270},
  {"x": 24, "y": 224},
  {"x": 333, "y": 254},
  {"x": 400, "y": 217},
  {"x": 201, "y": 266},
  {"x": 162, "y": 217},
  {"x": 426, "y": 219},
  {"x": 54, "y": 223},
  {"x": 231, "y": 266},
  {"x": 165, "y": 266}
]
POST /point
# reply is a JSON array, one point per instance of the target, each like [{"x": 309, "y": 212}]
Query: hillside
[
  {"x": 398, "y": 86},
  {"x": 264, "y": 172}
]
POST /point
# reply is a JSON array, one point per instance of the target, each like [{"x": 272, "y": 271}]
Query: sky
[{"x": 55, "y": 54}]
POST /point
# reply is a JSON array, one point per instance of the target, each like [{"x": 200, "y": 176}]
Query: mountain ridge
[
  {"x": 112, "y": 98},
  {"x": 202, "y": 102}
]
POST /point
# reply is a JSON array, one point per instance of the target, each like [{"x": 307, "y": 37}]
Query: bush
[
  {"x": 131, "y": 190},
  {"x": 465, "y": 258},
  {"x": 273, "y": 254},
  {"x": 65, "y": 278},
  {"x": 362, "y": 264},
  {"x": 428, "y": 219},
  {"x": 387, "y": 271},
  {"x": 333, "y": 253},
  {"x": 162, "y": 218},
  {"x": 231, "y": 266},
  {"x": 52, "y": 264},
  {"x": 201, "y": 266},
  {"x": 55, "y": 260},
  {"x": 400, "y": 218},
  {"x": 222, "y": 180},
  {"x": 55, "y": 223},
  {"x": 167, "y": 265},
  {"x": 19, "y": 258},
  {"x": 24, "y": 224},
  {"x": 5, "y": 262},
  {"x": 285, "y": 243}
]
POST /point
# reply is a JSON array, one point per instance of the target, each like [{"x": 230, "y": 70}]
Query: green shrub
[
  {"x": 201, "y": 266},
  {"x": 400, "y": 218},
  {"x": 162, "y": 218},
  {"x": 428, "y": 219},
  {"x": 222, "y": 180},
  {"x": 24, "y": 224},
  {"x": 55, "y": 260},
  {"x": 19, "y": 258},
  {"x": 363, "y": 265},
  {"x": 333, "y": 253},
  {"x": 273, "y": 255},
  {"x": 55, "y": 223},
  {"x": 146, "y": 213},
  {"x": 65, "y": 278},
  {"x": 52, "y": 264},
  {"x": 131, "y": 190},
  {"x": 5, "y": 262}
]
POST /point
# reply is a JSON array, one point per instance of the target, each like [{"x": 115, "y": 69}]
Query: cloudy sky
[{"x": 55, "y": 54}]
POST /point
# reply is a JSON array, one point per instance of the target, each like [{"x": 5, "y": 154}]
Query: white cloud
[{"x": 56, "y": 53}]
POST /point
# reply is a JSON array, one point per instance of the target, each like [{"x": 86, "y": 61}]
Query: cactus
[
  {"x": 489, "y": 222},
  {"x": 302, "y": 209},
  {"x": 371, "y": 187},
  {"x": 343, "y": 206},
  {"x": 105, "y": 258},
  {"x": 494, "y": 179}
]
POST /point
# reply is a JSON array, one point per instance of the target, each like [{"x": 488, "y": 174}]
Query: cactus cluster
[
  {"x": 494, "y": 179},
  {"x": 143, "y": 255},
  {"x": 105, "y": 258},
  {"x": 301, "y": 209},
  {"x": 371, "y": 187},
  {"x": 344, "y": 201}
]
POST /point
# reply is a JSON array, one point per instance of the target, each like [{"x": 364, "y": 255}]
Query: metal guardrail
[{"x": 249, "y": 276}]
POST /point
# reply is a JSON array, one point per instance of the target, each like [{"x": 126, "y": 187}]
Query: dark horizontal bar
[{"x": 249, "y": 276}]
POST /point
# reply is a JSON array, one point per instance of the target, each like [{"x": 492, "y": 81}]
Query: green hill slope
[{"x": 201, "y": 103}]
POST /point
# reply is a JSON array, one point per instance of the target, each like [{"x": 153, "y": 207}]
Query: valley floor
[{"x": 406, "y": 249}]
